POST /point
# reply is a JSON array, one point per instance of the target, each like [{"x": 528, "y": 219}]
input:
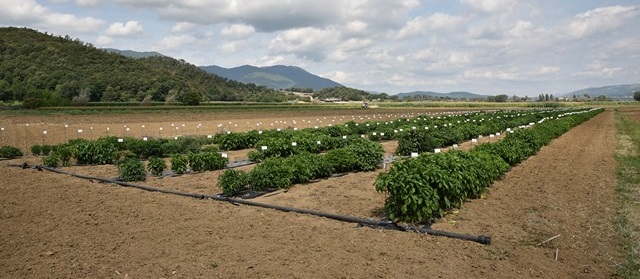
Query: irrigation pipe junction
[{"x": 350, "y": 219}]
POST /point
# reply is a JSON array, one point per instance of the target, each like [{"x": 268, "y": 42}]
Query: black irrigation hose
[{"x": 361, "y": 221}]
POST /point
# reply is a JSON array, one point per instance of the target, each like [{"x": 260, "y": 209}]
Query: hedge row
[{"x": 422, "y": 189}]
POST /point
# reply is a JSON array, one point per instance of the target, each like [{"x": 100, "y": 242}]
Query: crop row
[
  {"x": 282, "y": 172},
  {"x": 417, "y": 134},
  {"x": 421, "y": 189}
]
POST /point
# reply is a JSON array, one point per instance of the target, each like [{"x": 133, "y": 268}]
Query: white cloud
[
  {"x": 182, "y": 27},
  {"x": 88, "y": 3},
  {"x": 598, "y": 69},
  {"x": 309, "y": 43},
  {"x": 104, "y": 40},
  {"x": 490, "y": 6},
  {"x": 597, "y": 21},
  {"x": 423, "y": 25},
  {"x": 30, "y": 13},
  {"x": 175, "y": 42},
  {"x": 128, "y": 29},
  {"x": 238, "y": 31},
  {"x": 269, "y": 60}
]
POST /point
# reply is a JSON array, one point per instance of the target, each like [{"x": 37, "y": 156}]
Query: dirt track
[{"x": 59, "y": 227}]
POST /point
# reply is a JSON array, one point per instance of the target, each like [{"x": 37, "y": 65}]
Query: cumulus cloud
[
  {"x": 423, "y": 25},
  {"x": 238, "y": 31},
  {"x": 175, "y": 42},
  {"x": 597, "y": 21},
  {"x": 182, "y": 27},
  {"x": 598, "y": 69},
  {"x": 127, "y": 29},
  {"x": 490, "y": 6},
  {"x": 309, "y": 43},
  {"x": 30, "y": 13}
]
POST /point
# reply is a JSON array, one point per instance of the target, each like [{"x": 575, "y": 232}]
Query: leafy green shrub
[
  {"x": 206, "y": 161},
  {"x": 417, "y": 141},
  {"x": 45, "y": 150},
  {"x": 156, "y": 165},
  {"x": 273, "y": 173},
  {"x": 231, "y": 181},
  {"x": 368, "y": 154},
  {"x": 132, "y": 170},
  {"x": 209, "y": 148},
  {"x": 237, "y": 141},
  {"x": 98, "y": 152},
  {"x": 10, "y": 152},
  {"x": 52, "y": 160},
  {"x": 179, "y": 163},
  {"x": 342, "y": 160},
  {"x": 65, "y": 153},
  {"x": 36, "y": 150}
]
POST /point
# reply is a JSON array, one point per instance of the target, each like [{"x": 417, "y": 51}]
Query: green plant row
[
  {"x": 10, "y": 152},
  {"x": 107, "y": 150},
  {"x": 404, "y": 129},
  {"x": 280, "y": 172},
  {"x": 422, "y": 140},
  {"x": 419, "y": 190}
]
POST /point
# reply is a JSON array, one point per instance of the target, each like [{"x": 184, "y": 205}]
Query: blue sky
[{"x": 483, "y": 46}]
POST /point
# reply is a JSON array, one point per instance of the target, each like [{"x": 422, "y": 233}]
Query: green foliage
[
  {"x": 132, "y": 170},
  {"x": 10, "y": 152},
  {"x": 36, "y": 150},
  {"x": 273, "y": 173},
  {"x": 417, "y": 141},
  {"x": 45, "y": 150},
  {"x": 368, "y": 154},
  {"x": 636, "y": 95},
  {"x": 237, "y": 141},
  {"x": 100, "y": 152},
  {"x": 179, "y": 163},
  {"x": 52, "y": 160},
  {"x": 65, "y": 153},
  {"x": 231, "y": 181},
  {"x": 421, "y": 189},
  {"x": 206, "y": 161},
  {"x": 156, "y": 166},
  {"x": 342, "y": 160}
]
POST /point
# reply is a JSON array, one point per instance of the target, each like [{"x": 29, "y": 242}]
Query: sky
[{"x": 483, "y": 46}]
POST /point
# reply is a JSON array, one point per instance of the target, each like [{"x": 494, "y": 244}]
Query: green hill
[
  {"x": 43, "y": 69},
  {"x": 615, "y": 92}
]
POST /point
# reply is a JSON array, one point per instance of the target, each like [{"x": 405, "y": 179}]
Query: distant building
[{"x": 332, "y": 100}]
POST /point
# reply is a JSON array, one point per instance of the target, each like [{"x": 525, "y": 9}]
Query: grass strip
[{"x": 628, "y": 189}]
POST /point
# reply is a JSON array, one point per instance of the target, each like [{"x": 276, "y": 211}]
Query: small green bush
[
  {"x": 52, "y": 160},
  {"x": 132, "y": 170},
  {"x": 231, "y": 181},
  {"x": 156, "y": 166},
  {"x": 10, "y": 152},
  {"x": 36, "y": 150},
  {"x": 179, "y": 163}
]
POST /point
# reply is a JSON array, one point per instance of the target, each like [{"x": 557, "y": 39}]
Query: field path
[{"x": 53, "y": 226}]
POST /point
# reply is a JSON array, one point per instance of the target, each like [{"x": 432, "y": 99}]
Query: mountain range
[
  {"x": 276, "y": 77},
  {"x": 285, "y": 77},
  {"x": 616, "y": 92}
]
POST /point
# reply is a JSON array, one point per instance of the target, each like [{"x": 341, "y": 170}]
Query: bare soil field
[{"x": 55, "y": 226}]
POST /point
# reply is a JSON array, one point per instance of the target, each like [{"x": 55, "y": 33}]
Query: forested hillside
[{"x": 45, "y": 70}]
